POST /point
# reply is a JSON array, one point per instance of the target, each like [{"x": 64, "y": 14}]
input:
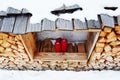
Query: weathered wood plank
[
  {"x": 47, "y": 24},
  {"x": 21, "y": 24},
  {"x": 118, "y": 19},
  {"x": 1, "y": 22},
  {"x": 63, "y": 24},
  {"x": 79, "y": 24},
  {"x": 91, "y": 41},
  {"x": 34, "y": 27},
  {"x": 97, "y": 25},
  {"x": 8, "y": 24},
  {"x": 107, "y": 20},
  {"x": 25, "y": 11},
  {"x": 29, "y": 44},
  {"x": 12, "y": 10},
  {"x": 91, "y": 24},
  {"x": 3, "y": 13},
  {"x": 81, "y": 47},
  {"x": 49, "y": 56}
]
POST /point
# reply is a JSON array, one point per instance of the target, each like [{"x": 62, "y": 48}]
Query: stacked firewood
[
  {"x": 56, "y": 65},
  {"x": 106, "y": 54},
  {"x": 12, "y": 51}
]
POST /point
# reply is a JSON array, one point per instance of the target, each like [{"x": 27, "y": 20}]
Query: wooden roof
[{"x": 18, "y": 22}]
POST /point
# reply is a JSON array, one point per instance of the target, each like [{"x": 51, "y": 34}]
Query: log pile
[
  {"x": 12, "y": 52},
  {"x": 106, "y": 54}
]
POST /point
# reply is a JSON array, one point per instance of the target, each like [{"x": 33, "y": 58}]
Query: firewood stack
[
  {"x": 12, "y": 52},
  {"x": 106, "y": 54}
]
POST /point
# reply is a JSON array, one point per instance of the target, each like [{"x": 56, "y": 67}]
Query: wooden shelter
[{"x": 20, "y": 48}]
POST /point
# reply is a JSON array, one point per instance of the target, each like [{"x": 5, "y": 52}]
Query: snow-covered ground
[
  {"x": 59, "y": 75},
  {"x": 40, "y": 10}
]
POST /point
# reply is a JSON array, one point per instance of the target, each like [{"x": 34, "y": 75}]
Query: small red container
[
  {"x": 57, "y": 47},
  {"x": 64, "y": 45}
]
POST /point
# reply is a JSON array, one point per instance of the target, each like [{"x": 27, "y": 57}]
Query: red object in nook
[
  {"x": 64, "y": 45},
  {"x": 57, "y": 47},
  {"x": 59, "y": 40}
]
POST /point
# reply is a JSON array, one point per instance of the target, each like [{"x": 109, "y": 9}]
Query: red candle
[
  {"x": 57, "y": 47},
  {"x": 64, "y": 45}
]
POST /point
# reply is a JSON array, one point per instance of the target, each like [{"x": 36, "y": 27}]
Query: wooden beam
[
  {"x": 29, "y": 44},
  {"x": 21, "y": 24},
  {"x": 8, "y": 24},
  {"x": 50, "y": 56}
]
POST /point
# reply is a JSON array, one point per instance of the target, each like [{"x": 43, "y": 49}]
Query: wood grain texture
[
  {"x": 81, "y": 47},
  {"x": 47, "y": 25},
  {"x": 63, "y": 24},
  {"x": 44, "y": 56},
  {"x": 29, "y": 44},
  {"x": 21, "y": 24},
  {"x": 8, "y": 24},
  {"x": 107, "y": 20},
  {"x": 79, "y": 24},
  {"x": 91, "y": 41},
  {"x": 12, "y": 10},
  {"x": 118, "y": 19},
  {"x": 1, "y": 22},
  {"x": 34, "y": 27},
  {"x": 91, "y": 24}
]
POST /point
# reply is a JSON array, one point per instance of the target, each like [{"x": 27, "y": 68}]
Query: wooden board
[
  {"x": 1, "y": 22},
  {"x": 97, "y": 25},
  {"x": 118, "y": 19},
  {"x": 8, "y": 24},
  {"x": 44, "y": 56},
  {"x": 107, "y": 20},
  {"x": 47, "y": 25},
  {"x": 3, "y": 13},
  {"x": 12, "y": 10},
  {"x": 81, "y": 47},
  {"x": 63, "y": 24},
  {"x": 91, "y": 24},
  {"x": 34, "y": 27},
  {"x": 25, "y": 11},
  {"x": 29, "y": 44},
  {"x": 79, "y": 24},
  {"x": 21, "y": 24},
  {"x": 91, "y": 41}
]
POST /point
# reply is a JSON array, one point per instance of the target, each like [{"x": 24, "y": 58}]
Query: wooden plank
[
  {"x": 75, "y": 47},
  {"x": 8, "y": 24},
  {"x": 25, "y": 11},
  {"x": 45, "y": 56},
  {"x": 29, "y": 44},
  {"x": 81, "y": 47},
  {"x": 12, "y": 10},
  {"x": 1, "y": 22},
  {"x": 118, "y": 19},
  {"x": 79, "y": 24},
  {"x": 91, "y": 41},
  {"x": 70, "y": 48},
  {"x": 107, "y": 20},
  {"x": 63, "y": 24},
  {"x": 21, "y": 24},
  {"x": 3, "y": 13},
  {"x": 47, "y": 25},
  {"x": 91, "y": 24},
  {"x": 97, "y": 24},
  {"x": 34, "y": 27}
]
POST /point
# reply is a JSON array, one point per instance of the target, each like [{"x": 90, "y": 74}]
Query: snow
[
  {"x": 59, "y": 75},
  {"x": 41, "y": 9}
]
